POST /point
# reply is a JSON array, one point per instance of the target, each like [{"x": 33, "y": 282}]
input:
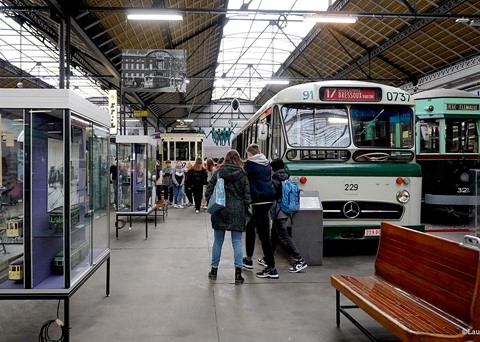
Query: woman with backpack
[{"x": 280, "y": 219}]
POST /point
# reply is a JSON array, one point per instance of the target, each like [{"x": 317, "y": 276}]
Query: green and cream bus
[{"x": 354, "y": 143}]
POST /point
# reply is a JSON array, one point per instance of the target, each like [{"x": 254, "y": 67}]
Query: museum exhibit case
[
  {"x": 54, "y": 176},
  {"x": 136, "y": 168}
]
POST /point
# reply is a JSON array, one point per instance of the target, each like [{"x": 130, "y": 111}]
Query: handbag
[{"x": 217, "y": 200}]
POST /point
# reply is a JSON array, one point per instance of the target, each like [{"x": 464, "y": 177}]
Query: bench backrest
[{"x": 437, "y": 270}]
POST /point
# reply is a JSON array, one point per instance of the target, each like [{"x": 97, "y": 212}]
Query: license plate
[{"x": 372, "y": 232}]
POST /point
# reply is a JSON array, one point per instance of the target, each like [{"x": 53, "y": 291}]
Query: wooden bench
[{"x": 425, "y": 288}]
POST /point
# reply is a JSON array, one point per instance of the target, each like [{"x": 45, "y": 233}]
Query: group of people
[
  {"x": 175, "y": 183},
  {"x": 253, "y": 190},
  {"x": 255, "y": 184}
]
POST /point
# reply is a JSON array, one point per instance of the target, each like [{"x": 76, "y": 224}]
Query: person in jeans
[
  {"x": 262, "y": 192},
  {"x": 280, "y": 219},
  {"x": 232, "y": 217},
  {"x": 178, "y": 180}
]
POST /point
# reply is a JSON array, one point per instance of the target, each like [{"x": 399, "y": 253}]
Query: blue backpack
[{"x": 290, "y": 203}]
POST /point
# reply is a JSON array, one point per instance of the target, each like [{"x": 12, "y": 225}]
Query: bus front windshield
[
  {"x": 316, "y": 126},
  {"x": 382, "y": 126}
]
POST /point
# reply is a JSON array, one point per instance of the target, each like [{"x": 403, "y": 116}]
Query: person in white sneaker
[
  {"x": 281, "y": 220},
  {"x": 261, "y": 189}
]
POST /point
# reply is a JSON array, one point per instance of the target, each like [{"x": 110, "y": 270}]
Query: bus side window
[{"x": 429, "y": 139}]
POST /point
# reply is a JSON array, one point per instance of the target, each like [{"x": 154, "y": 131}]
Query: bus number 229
[{"x": 349, "y": 187}]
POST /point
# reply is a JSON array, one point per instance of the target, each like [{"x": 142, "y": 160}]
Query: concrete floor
[{"x": 160, "y": 292}]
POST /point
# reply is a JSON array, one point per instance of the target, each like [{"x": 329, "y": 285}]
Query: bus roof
[
  {"x": 293, "y": 94},
  {"x": 442, "y": 92}
]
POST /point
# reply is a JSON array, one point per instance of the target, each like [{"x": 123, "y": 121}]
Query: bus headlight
[
  {"x": 465, "y": 177},
  {"x": 403, "y": 196}
]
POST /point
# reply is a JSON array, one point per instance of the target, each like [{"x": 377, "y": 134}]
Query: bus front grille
[{"x": 361, "y": 210}]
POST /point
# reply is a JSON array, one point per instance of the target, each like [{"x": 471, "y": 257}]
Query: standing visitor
[
  {"x": 188, "y": 185},
  {"x": 167, "y": 183},
  {"x": 114, "y": 182},
  {"x": 261, "y": 189},
  {"x": 281, "y": 219},
  {"x": 159, "y": 180},
  {"x": 178, "y": 180},
  {"x": 197, "y": 178},
  {"x": 232, "y": 217},
  {"x": 210, "y": 166}
]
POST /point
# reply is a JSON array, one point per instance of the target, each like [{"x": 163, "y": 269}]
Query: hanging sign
[
  {"x": 112, "y": 109},
  {"x": 140, "y": 113}
]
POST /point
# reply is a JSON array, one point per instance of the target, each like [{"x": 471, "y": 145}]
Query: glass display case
[
  {"x": 136, "y": 164},
  {"x": 54, "y": 176}
]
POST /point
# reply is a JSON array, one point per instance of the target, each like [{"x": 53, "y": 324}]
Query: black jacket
[
  {"x": 196, "y": 179},
  {"x": 237, "y": 198},
  {"x": 277, "y": 178},
  {"x": 260, "y": 177}
]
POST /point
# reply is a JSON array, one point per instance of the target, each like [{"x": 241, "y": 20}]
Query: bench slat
[
  {"x": 428, "y": 267},
  {"x": 406, "y": 316},
  {"x": 425, "y": 288}
]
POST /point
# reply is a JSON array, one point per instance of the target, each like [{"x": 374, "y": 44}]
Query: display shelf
[
  {"x": 135, "y": 162},
  {"x": 53, "y": 193}
]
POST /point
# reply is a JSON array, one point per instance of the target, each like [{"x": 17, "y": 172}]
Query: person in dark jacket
[
  {"x": 280, "y": 219},
  {"x": 197, "y": 178},
  {"x": 262, "y": 192},
  {"x": 232, "y": 217},
  {"x": 167, "y": 183}
]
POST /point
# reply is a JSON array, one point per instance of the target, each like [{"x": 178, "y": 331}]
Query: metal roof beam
[
  {"x": 19, "y": 73},
  {"x": 452, "y": 76},
  {"x": 395, "y": 39},
  {"x": 89, "y": 42}
]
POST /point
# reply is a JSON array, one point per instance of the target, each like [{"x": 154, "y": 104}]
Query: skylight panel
[{"x": 255, "y": 44}]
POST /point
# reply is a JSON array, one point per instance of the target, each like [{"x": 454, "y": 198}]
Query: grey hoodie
[{"x": 178, "y": 176}]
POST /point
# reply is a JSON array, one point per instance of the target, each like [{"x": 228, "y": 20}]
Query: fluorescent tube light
[
  {"x": 330, "y": 19},
  {"x": 153, "y": 15},
  {"x": 274, "y": 81}
]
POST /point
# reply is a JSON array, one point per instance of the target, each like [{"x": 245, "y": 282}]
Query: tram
[
  {"x": 15, "y": 270},
  {"x": 448, "y": 124},
  {"x": 181, "y": 146},
  {"x": 351, "y": 141}
]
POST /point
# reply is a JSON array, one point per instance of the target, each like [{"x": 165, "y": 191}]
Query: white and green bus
[{"x": 354, "y": 143}]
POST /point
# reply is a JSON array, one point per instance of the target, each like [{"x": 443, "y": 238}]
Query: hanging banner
[
  {"x": 113, "y": 110},
  {"x": 154, "y": 70}
]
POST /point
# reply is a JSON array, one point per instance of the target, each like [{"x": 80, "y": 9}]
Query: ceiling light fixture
[
  {"x": 277, "y": 81},
  {"x": 330, "y": 19},
  {"x": 462, "y": 20},
  {"x": 153, "y": 15}
]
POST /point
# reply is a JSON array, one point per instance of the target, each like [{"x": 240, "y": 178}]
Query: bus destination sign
[
  {"x": 350, "y": 94},
  {"x": 462, "y": 106}
]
